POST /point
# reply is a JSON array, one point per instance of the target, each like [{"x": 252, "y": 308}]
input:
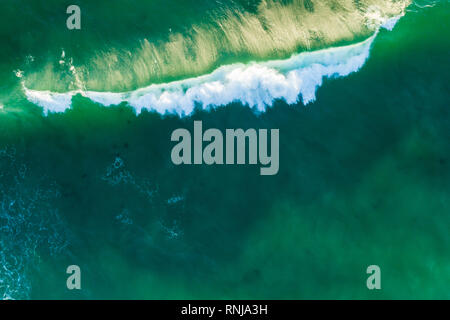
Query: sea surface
[{"x": 359, "y": 90}]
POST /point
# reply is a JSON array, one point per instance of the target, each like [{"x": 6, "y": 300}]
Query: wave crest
[
  {"x": 256, "y": 85},
  {"x": 274, "y": 30}
]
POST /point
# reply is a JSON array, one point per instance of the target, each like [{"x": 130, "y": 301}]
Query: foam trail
[
  {"x": 256, "y": 85},
  {"x": 390, "y": 23}
]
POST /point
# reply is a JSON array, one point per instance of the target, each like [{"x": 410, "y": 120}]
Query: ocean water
[{"x": 358, "y": 89}]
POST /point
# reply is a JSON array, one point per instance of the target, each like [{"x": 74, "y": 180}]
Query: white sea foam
[
  {"x": 29, "y": 224},
  {"x": 256, "y": 84},
  {"x": 390, "y": 23}
]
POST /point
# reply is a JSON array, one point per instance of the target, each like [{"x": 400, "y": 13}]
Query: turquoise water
[{"x": 364, "y": 161}]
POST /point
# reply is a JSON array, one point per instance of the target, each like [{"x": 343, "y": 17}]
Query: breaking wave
[
  {"x": 256, "y": 84},
  {"x": 228, "y": 32}
]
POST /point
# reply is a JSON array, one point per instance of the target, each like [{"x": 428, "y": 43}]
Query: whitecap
[{"x": 256, "y": 85}]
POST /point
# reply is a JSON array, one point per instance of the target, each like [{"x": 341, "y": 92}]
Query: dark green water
[{"x": 364, "y": 178}]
